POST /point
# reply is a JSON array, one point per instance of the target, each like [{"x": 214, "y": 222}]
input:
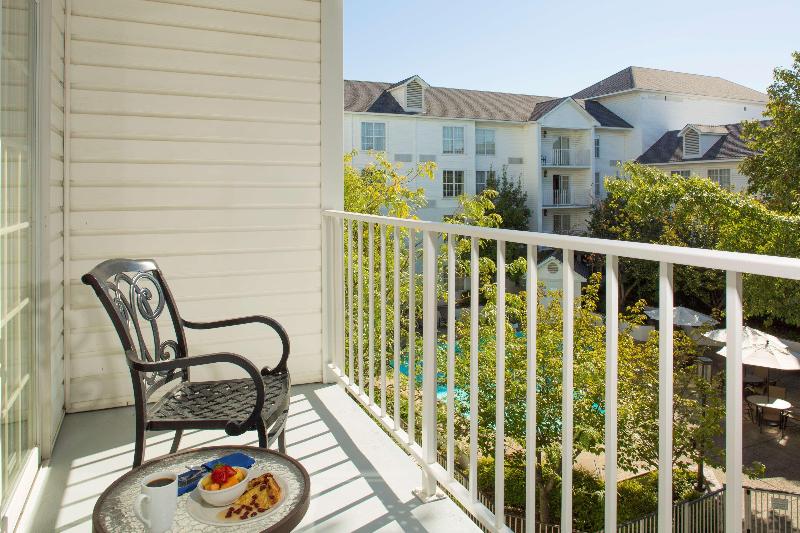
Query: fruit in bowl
[{"x": 224, "y": 484}]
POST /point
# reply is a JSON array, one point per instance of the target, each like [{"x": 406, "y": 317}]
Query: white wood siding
[
  {"x": 56, "y": 215},
  {"x": 738, "y": 181},
  {"x": 195, "y": 140}
]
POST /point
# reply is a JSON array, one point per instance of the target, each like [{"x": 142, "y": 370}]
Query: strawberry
[{"x": 220, "y": 474}]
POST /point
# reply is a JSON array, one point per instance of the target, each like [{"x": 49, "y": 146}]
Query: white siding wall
[
  {"x": 738, "y": 181},
  {"x": 56, "y": 212},
  {"x": 653, "y": 114},
  {"x": 195, "y": 140},
  {"x": 423, "y": 137},
  {"x": 613, "y": 147}
]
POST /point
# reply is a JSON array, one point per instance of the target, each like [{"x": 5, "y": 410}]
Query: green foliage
[
  {"x": 511, "y": 202},
  {"x": 695, "y": 427},
  {"x": 650, "y": 206},
  {"x": 774, "y": 171},
  {"x": 638, "y": 496}
]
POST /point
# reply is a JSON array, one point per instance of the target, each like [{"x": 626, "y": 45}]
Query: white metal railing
[
  {"x": 411, "y": 232},
  {"x": 562, "y": 196},
  {"x": 568, "y": 157}
]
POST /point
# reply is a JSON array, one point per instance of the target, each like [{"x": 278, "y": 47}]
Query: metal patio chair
[{"x": 140, "y": 305}]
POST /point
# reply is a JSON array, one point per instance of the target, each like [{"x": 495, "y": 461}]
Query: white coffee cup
[{"x": 156, "y": 505}]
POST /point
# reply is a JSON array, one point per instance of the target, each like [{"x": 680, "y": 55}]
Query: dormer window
[
  {"x": 414, "y": 96},
  {"x": 691, "y": 144}
]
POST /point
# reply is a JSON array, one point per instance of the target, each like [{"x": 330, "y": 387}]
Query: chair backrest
[
  {"x": 142, "y": 309},
  {"x": 776, "y": 392},
  {"x": 771, "y": 414}
]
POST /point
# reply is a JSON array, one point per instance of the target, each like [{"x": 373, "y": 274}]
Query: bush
[{"x": 636, "y": 496}]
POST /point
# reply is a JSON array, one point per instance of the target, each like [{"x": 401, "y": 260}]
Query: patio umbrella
[
  {"x": 683, "y": 316},
  {"x": 766, "y": 353},
  {"x": 750, "y": 337}
]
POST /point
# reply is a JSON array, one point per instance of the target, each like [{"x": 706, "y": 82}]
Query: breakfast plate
[{"x": 203, "y": 512}]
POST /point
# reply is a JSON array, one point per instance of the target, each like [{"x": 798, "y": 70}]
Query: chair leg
[
  {"x": 282, "y": 441},
  {"x": 138, "y": 452},
  {"x": 262, "y": 434},
  {"x": 176, "y": 441}
]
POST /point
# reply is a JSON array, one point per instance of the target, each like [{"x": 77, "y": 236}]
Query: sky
[{"x": 556, "y": 48}]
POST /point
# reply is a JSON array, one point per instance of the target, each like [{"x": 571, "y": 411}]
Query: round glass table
[
  {"x": 114, "y": 509},
  {"x": 772, "y": 402}
]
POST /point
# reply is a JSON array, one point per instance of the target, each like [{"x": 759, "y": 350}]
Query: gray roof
[
  {"x": 373, "y": 97},
  {"x": 708, "y": 128},
  {"x": 649, "y": 79},
  {"x": 669, "y": 148}
]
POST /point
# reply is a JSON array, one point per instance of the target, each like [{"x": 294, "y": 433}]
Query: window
[
  {"x": 484, "y": 142},
  {"x": 597, "y": 185},
  {"x": 722, "y": 176},
  {"x": 561, "y": 223},
  {"x": 453, "y": 183},
  {"x": 453, "y": 140},
  {"x": 597, "y": 147},
  {"x": 681, "y": 173},
  {"x": 481, "y": 179},
  {"x": 373, "y": 136}
]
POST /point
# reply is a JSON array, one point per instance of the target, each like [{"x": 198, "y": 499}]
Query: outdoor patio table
[
  {"x": 114, "y": 509},
  {"x": 775, "y": 403}
]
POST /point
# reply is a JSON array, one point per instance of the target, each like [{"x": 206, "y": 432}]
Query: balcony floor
[{"x": 360, "y": 479}]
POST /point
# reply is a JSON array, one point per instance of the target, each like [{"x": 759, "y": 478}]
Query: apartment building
[
  {"x": 561, "y": 148},
  {"x": 709, "y": 151}
]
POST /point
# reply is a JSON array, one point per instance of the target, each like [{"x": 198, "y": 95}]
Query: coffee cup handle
[{"x": 137, "y": 508}]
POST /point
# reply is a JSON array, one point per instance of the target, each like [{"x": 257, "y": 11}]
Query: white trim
[
  {"x": 694, "y": 162},
  {"x": 580, "y": 108},
  {"x": 331, "y": 165},
  {"x": 12, "y": 511},
  {"x": 764, "y": 265},
  {"x": 66, "y": 203}
]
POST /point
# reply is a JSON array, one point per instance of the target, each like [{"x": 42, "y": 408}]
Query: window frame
[
  {"x": 682, "y": 173},
  {"x": 486, "y": 175},
  {"x": 453, "y": 139},
  {"x": 598, "y": 189},
  {"x": 451, "y": 186},
  {"x": 718, "y": 178},
  {"x": 481, "y": 140},
  {"x": 597, "y": 147},
  {"x": 561, "y": 217},
  {"x": 370, "y": 145}
]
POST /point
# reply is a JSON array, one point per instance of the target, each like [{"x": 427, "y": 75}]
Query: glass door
[{"x": 17, "y": 368}]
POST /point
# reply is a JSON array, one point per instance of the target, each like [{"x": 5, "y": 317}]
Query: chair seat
[{"x": 211, "y": 404}]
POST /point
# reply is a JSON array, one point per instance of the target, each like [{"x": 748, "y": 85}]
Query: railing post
[
  {"x": 567, "y": 388},
  {"x": 532, "y": 289},
  {"x": 612, "y": 338},
  {"x": 665, "y": 320},
  {"x": 474, "y": 297},
  {"x": 500, "y": 392},
  {"x": 428, "y": 424},
  {"x": 733, "y": 402},
  {"x": 339, "y": 308},
  {"x": 451, "y": 349}
]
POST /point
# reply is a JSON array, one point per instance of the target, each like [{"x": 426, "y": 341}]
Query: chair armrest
[
  {"x": 232, "y": 427},
  {"x": 254, "y": 319}
]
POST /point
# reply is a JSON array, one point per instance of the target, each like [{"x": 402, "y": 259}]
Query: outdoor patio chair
[
  {"x": 776, "y": 392},
  {"x": 771, "y": 417},
  {"x": 146, "y": 318}
]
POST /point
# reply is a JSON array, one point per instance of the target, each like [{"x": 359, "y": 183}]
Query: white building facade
[{"x": 560, "y": 148}]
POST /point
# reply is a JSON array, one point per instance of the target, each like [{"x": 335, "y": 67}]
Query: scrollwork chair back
[{"x": 144, "y": 314}]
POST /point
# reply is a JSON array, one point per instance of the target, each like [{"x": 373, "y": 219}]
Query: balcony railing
[
  {"x": 345, "y": 265},
  {"x": 567, "y": 157},
  {"x": 562, "y": 196}
]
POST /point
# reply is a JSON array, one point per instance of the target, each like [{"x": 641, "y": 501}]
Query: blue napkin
[{"x": 189, "y": 479}]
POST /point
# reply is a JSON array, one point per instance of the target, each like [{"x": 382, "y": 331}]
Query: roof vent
[
  {"x": 691, "y": 144},
  {"x": 552, "y": 267},
  {"x": 414, "y": 95}
]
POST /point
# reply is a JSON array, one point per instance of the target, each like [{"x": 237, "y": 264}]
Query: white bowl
[{"x": 223, "y": 497}]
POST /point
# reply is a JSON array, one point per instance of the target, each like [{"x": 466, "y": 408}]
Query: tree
[
  {"x": 774, "y": 169},
  {"x": 637, "y": 400},
  {"x": 650, "y": 206},
  {"x": 511, "y": 204}
]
